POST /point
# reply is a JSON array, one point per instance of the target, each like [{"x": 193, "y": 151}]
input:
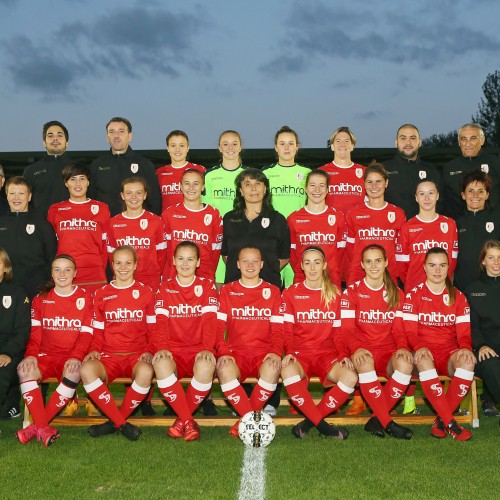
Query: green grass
[{"x": 314, "y": 468}]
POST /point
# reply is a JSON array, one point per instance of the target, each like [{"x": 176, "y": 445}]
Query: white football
[{"x": 256, "y": 429}]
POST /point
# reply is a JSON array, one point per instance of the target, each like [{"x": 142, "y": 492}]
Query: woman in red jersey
[
  {"x": 311, "y": 313},
  {"x": 374, "y": 338},
  {"x": 122, "y": 345},
  {"x": 249, "y": 336},
  {"x": 142, "y": 230},
  {"x": 437, "y": 323},
  {"x": 426, "y": 230},
  {"x": 60, "y": 337},
  {"x": 317, "y": 224},
  {"x": 186, "y": 308}
]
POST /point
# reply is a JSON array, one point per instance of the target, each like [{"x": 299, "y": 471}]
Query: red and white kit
[
  {"x": 326, "y": 230},
  {"x": 416, "y": 238},
  {"x": 203, "y": 227},
  {"x": 169, "y": 178},
  {"x": 81, "y": 229},
  {"x": 366, "y": 225},
  {"x": 146, "y": 234}
]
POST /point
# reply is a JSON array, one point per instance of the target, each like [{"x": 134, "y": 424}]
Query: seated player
[
  {"x": 311, "y": 313},
  {"x": 249, "y": 315},
  {"x": 60, "y": 336},
  {"x": 376, "y": 341},
  {"x": 122, "y": 345},
  {"x": 437, "y": 323},
  {"x": 186, "y": 308}
]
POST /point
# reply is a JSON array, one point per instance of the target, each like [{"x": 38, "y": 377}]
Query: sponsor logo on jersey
[
  {"x": 317, "y": 237},
  {"x": 123, "y": 313},
  {"x": 391, "y": 216},
  {"x": 315, "y": 315},
  {"x": 423, "y": 246},
  {"x": 344, "y": 187},
  {"x": 61, "y": 323},
  {"x": 7, "y": 301},
  {"x": 490, "y": 226},
  {"x": 251, "y": 312},
  {"x": 332, "y": 219},
  {"x": 376, "y": 392},
  {"x": 143, "y": 223},
  {"x": 376, "y": 316},
  {"x": 422, "y": 174},
  {"x": 134, "y": 168},
  {"x": 446, "y": 299},
  {"x": 481, "y": 294},
  {"x": 106, "y": 396},
  {"x": 437, "y": 388},
  {"x": 133, "y": 241},
  {"x": 94, "y": 209},
  {"x": 185, "y": 310},
  {"x": 284, "y": 190},
  {"x": 198, "y": 290},
  {"x": 344, "y": 303},
  {"x": 227, "y": 193},
  {"x": 408, "y": 307},
  {"x": 265, "y": 222},
  {"x": 266, "y": 293},
  {"x": 415, "y": 229},
  {"x": 75, "y": 223},
  {"x": 485, "y": 168},
  {"x": 80, "y": 303},
  {"x": 436, "y": 318},
  {"x": 189, "y": 235},
  {"x": 359, "y": 173},
  {"x": 30, "y": 228},
  {"x": 207, "y": 220},
  {"x": 110, "y": 297},
  {"x": 377, "y": 232},
  {"x": 213, "y": 301},
  {"x": 444, "y": 227}
]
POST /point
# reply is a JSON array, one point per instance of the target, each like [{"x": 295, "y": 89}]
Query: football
[{"x": 257, "y": 429}]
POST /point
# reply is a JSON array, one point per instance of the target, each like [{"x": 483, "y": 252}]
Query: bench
[{"x": 471, "y": 418}]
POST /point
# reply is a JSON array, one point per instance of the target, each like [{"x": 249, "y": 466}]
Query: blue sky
[{"x": 251, "y": 66}]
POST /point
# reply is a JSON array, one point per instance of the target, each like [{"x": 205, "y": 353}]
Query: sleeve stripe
[
  {"x": 87, "y": 329},
  {"x": 162, "y": 311},
  {"x": 208, "y": 309},
  {"x": 462, "y": 319},
  {"x": 277, "y": 319},
  {"x": 410, "y": 317},
  {"x": 402, "y": 258},
  {"x": 161, "y": 246},
  {"x": 347, "y": 313},
  {"x": 221, "y": 316},
  {"x": 150, "y": 319},
  {"x": 98, "y": 324},
  {"x": 288, "y": 318},
  {"x": 350, "y": 240},
  {"x": 337, "y": 323},
  {"x": 35, "y": 322}
]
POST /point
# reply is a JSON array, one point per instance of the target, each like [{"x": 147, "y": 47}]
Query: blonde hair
[{"x": 329, "y": 291}]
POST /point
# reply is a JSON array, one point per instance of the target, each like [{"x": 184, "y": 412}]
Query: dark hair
[
  {"x": 121, "y": 120},
  {"x": 407, "y": 125},
  {"x": 49, "y": 285},
  {"x": 17, "y": 180},
  {"x": 450, "y": 289},
  {"x": 256, "y": 175},
  {"x": 250, "y": 247},
  {"x": 193, "y": 171},
  {"x": 72, "y": 169},
  {"x": 488, "y": 245},
  {"x": 476, "y": 176},
  {"x": 188, "y": 244},
  {"x": 427, "y": 180},
  {"x": 177, "y": 132},
  {"x": 130, "y": 180},
  {"x": 329, "y": 291},
  {"x": 54, "y": 123},
  {"x": 229, "y": 132},
  {"x": 7, "y": 265},
  {"x": 390, "y": 287},
  {"x": 316, "y": 171},
  {"x": 375, "y": 168},
  {"x": 285, "y": 129}
]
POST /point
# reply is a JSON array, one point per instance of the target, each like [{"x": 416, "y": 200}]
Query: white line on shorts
[{"x": 253, "y": 474}]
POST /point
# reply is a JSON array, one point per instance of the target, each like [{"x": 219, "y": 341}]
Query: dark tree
[
  {"x": 488, "y": 115},
  {"x": 441, "y": 140}
]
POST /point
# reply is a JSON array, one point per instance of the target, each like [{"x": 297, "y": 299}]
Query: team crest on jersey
[
  {"x": 80, "y": 303},
  {"x": 134, "y": 168},
  {"x": 266, "y": 293},
  {"x": 94, "y": 209},
  {"x": 265, "y": 222},
  {"x": 490, "y": 226},
  {"x": 446, "y": 299},
  {"x": 331, "y": 220},
  {"x": 444, "y": 227},
  {"x": 207, "y": 219},
  {"x": 135, "y": 294},
  {"x": 485, "y": 168},
  {"x": 359, "y": 173},
  {"x": 198, "y": 290},
  {"x": 143, "y": 223},
  {"x": 391, "y": 216},
  {"x": 300, "y": 176},
  {"x": 422, "y": 174},
  {"x": 30, "y": 228},
  {"x": 7, "y": 301}
]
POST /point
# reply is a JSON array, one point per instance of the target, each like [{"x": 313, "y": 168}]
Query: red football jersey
[
  {"x": 366, "y": 225},
  {"x": 251, "y": 318},
  {"x": 431, "y": 322},
  {"x": 326, "y": 230},
  {"x": 416, "y": 238},
  {"x": 61, "y": 325},
  {"x": 346, "y": 186},
  {"x": 367, "y": 321},
  {"x": 308, "y": 324},
  {"x": 169, "y": 178},
  {"x": 146, "y": 233},
  {"x": 186, "y": 315},
  {"x": 81, "y": 230},
  {"x": 124, "y": 319},
  {"x": 203, "y": 227}
]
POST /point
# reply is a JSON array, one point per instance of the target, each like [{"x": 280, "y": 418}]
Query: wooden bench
[{"x": 471, "y": 417}]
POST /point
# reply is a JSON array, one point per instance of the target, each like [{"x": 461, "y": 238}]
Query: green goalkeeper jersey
[{"x": 219, "y": 188}]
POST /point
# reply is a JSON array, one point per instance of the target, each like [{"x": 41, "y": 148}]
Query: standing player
[
  {"x": 186, "y": 308},
  {"x": 142, "y": 230},
  {"x": 437, "y": 323},
  {"x": 249, "y": 336},
  {"x": 192, "y": 220},
  {"x": 373, "y": 222},
  {"x": 169, "y": 176},
  {"x": 317, "y": 224},
  {"x": 311, "y": 313},
  {"x": 346, "y": 187},
  {"x": 373, "y": 336},
  {"x": 422, "y": 232},
  {"x": 122, "y": 345},
  {"x": 81, "y": 226},
  {"x": 61, "y": 333}
]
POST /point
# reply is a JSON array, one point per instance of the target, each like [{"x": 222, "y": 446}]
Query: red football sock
[
  {"x": 261, "y": 394},
  {"x": 373, "y": 394},
  {"x": 33, "y": 398},
  {"x": 434, "y": 392},
  {"x": 58, "y": 400},
  {"x": 237, "y": 396},
  {"x": 196, "y": 393},
  {"x": 297, "y": 390},
  {"x": 334, "y": 399},
  {"x": 411, "y": 390},
  {"x": 459, "y": 387},
  {"x": 133, "y": 397},
  {"x": 395, "y": 388},
  {"x": 102, "y": 398},
  {"x": 171, "y": 389}
]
